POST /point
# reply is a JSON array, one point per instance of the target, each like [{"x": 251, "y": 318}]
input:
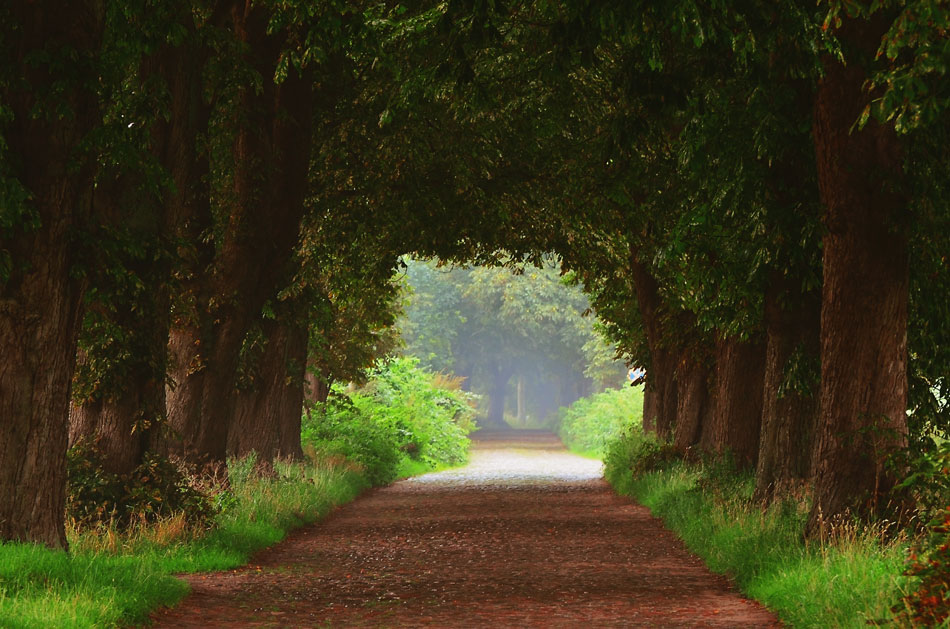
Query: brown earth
[{"x": 528, "y": 535}]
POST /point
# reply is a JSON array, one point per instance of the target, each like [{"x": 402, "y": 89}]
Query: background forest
[{"x": 518, "y": 338}]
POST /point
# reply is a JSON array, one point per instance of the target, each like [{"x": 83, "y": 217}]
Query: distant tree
[{"x": 491, "y": 325}]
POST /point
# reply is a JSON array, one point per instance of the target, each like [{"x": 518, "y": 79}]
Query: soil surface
[{"x": 528, "y": 535}]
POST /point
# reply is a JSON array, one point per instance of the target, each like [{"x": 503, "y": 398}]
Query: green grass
[
  {"x": 109, "y": 578},
  {"x": 850, "y": 580}
]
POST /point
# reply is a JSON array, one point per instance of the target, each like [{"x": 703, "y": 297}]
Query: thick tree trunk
[
  {"x": 663, "y": 375},
  {"x": 692, "y": 408},
  {"x": 737, "y": 392},
  {"x": 271, "y": 158},
  {"x": 863, "y": 396},
  {"x": 267, "y": 416},
  {"x": 789, "y": 413},
  {"x": 121, "y": 425},
  {"x": 660, "y": 380},
  {"x": 40, "y": 298},
  {"x": 187, "y": 216}
]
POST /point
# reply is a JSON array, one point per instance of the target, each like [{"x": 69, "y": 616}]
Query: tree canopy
[{"x": 201, "y": 200}]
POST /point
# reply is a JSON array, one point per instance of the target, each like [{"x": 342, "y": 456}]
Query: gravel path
[{"x": 528, "y": 535}]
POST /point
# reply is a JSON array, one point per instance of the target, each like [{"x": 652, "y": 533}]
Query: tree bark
[
  {"x": 267, "y": 416},
  {"x": 737, "y": 412},
  {"x": 40, "y": 298},
  {"x": 122, "y": 423},
  {"x": 863, "y": 396},
  {"x": 271, "y": 156},
  {"x": 649, "y": 409},
  {"x": 792, "y": 322},
  {"x": 660, "y": 379},
  {"x": 692, "y": 408}
]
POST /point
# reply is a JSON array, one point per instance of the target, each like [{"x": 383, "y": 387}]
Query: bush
[
  {"x": 590, "y": 423},
  {"x": 634, "y": 453},
  {"x": 928, "y": 563},
  {"x": 347, "y": 426},
  {"x": 404, "y": 413},
  {"x": 155, "y": 489},
  {"x": 928, "y": 604}
]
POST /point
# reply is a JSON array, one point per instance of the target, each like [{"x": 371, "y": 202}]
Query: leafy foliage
[
  {"x": 402, "y": 413},
  {"x": 156, "y": 489},
  {"x": 928, "y": 603},
  {"x": 590, "y": 423},
  {"x": 633, "y": 452}
]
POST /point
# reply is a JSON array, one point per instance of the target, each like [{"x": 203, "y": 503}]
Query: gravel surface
[{"x": 527, "y": 535}]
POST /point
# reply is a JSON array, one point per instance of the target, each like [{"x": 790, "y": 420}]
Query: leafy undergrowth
[
  {"x": 404, "y": 421},
  {"x": 587, "y": 425},
  {"x": 850, "y": 580}
]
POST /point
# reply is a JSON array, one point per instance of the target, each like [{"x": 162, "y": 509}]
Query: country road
[{"x": 527, "y": 535}]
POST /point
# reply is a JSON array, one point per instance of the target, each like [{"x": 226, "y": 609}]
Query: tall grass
[
  {"x": 111, "y": 577},
  {"x": 850, "y": 580}
]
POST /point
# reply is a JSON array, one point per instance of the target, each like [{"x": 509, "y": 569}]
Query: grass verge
[
  {"x": 111, "y": 578},
  {"x": 850, "y": 580}
]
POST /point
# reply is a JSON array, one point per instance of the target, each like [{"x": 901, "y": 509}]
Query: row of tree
[
  {"x": 177, "y": 238},
  {"x": 771, "y": 179},
  {"x": 199, "y": 197}
]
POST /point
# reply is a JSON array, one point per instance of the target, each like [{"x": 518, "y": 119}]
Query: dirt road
[{"x": 528, "y": 535}]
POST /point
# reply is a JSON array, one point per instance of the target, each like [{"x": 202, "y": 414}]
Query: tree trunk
[
  {"x": 692, "y": 377},
  {"x": 271, "y": 156},
  {"x": 316, "y": 389},
  {"x": 521, "y": 411},
  {"x": 649, "y": 409},
  {"x": 40, "y": 297},
  {"x": 660, "y": 379},
  {"x": 789, "y": 409},
  {"x": 497, "y": 395},
  {"x": 122, "y": 424},
  {"x": 737, "y": 411},
  {"x": 267, "y": 416},
  {"x": 663, "y": 374},
  {"x": 863, "y": 396},
  {"x": 187, "y": 214}
]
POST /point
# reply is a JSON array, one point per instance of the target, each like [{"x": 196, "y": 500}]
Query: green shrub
[
  {"x": 431, "y": 412},
  {"x": 634, "y": 453},
  {"x": 928, "y": 564},
  {"x": 403, "y": 414},
  {"x": 155, "y": 489},
  {"x": 347, "y": 426},
  {"x": 592, "y": 422},
  {"x": 928, "y": 604}
]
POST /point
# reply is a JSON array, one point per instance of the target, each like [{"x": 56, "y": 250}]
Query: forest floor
[{"x": 527, "y": 535}]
